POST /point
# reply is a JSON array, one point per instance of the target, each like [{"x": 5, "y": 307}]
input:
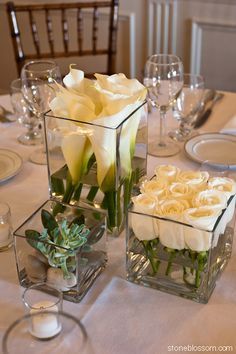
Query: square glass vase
[
  {"x": 191, "y": 271},
  {"x": 97, "y": 165},
  {"x": 67, "y": 265}
]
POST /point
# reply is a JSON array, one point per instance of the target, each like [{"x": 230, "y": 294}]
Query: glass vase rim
[
  {"x": 35, "y": 212},
  {"x": 174, "y": 56},
  {"x": 129, "y": 210},
  {"x": 28, "y": 63},
  {"x": 199, "y": 81},
  {"x": 42, "y": 284},
  {"x": 91, "y": 123}
]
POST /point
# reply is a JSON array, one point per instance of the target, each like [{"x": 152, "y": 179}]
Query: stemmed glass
[
  {"x": 39, "y": 86},
  {"x": 32, "y": 136},
  {"x": 187, "y": 106},
  {"x": 164, "y": 80}
]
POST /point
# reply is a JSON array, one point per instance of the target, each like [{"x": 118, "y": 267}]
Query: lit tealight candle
[
  {"x": 45, "y": 325},
  {"x": 4, "y": 234}
]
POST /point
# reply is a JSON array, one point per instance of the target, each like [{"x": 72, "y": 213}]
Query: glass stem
[{"x": 162, "y": 128}]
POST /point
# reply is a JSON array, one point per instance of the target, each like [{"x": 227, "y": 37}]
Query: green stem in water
[
  {"x": 170, "y": 261},
  {"x": 57, "y": 186},
  {"x": 59, "y": 208},
  {"x": 201, "y": 259},
  {"x": 111, "y": 208},
  {"x": 77, "y": 192},
  {"x": 92, "y": 193},
  {"x": 119, "y": 210},
  {"x": 151, "y": 255},
  {"x": 128, "y": 186}
]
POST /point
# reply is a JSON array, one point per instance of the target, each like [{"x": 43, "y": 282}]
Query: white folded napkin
[{"x": 230, "y": 126}]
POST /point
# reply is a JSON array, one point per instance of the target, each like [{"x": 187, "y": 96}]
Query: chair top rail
[{"x": 78, "y": 5}]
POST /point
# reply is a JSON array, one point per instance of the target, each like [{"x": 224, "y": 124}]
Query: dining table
[{"x": 121, "y": 317}]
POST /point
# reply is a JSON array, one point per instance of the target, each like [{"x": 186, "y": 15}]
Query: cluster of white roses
[{"x": 188, "y": 197}]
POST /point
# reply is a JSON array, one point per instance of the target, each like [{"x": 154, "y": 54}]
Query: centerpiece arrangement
[
  {"x": 180, "y": 231},
  {"x": 96, "y": 135},
  {"x": 66, "y": 252}
]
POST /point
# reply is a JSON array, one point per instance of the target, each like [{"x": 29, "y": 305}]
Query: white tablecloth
[{"x": 120, "y": 317}]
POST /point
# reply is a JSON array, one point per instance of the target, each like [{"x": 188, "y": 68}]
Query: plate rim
[
  {"x": 16, "y": 171},
  {"x": 194, "y": 158}
]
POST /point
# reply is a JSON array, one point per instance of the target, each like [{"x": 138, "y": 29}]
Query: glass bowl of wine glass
[
  {"x": 39, "y": 82},
  {"x": 187, "y": 106}
]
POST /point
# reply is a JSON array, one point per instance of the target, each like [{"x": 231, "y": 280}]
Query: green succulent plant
[{"x": 60, "y": 241}]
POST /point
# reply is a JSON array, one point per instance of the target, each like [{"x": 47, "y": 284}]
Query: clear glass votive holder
[
  {"x": 6, "y": 235},
  {"x": 41, "y": 299},
  {"x": 71, "y": 339}
]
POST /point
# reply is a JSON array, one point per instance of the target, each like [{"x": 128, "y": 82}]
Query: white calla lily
[
  {"x": 74, "y": 79},
  {"x": 77, "y": 151}
]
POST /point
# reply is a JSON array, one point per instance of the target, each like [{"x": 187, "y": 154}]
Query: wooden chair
[{"x": 79, "y": 9}]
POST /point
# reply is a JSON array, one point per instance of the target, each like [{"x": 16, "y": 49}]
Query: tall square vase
[{"x": 97, "y": 165}]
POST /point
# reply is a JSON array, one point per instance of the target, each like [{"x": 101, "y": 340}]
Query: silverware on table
[
  {"x": 6, "y": 116},
  {"x": 204, "y": 114}
]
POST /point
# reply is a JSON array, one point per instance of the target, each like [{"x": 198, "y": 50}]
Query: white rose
[
  {"x": 227, "y": 216},
  {"x": 223, "y": 184},
  {"x": 197, "y": 240},
  {"x": 143, "y": 224},
  {"x": 196, "y": 179},
  {"x": 211, "y": 198},
  {"x": 171, "y": 233},
  {"x": 180, "y": 190},
  {"x": 155, "y": 187},
  {"x": 167, "y": 172},
  {"x": 171, "y": 209},
  {"x": 203, "y": 217}
]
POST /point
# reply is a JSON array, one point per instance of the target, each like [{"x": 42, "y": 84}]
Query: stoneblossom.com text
[{"x": 200, "y": 348}]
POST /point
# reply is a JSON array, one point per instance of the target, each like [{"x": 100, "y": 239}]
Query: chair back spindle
[{"x": 80, "y": 30}]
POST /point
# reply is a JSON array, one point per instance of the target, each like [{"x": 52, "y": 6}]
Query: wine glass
[
  {"x": 32, "y": 136},
  {"x": 40, "y": 80},
  {"x": 187, "y": 106},
  {"x": 164, "y": 81}
]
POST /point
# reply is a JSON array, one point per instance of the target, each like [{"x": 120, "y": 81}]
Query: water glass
[
  {"x": 187, "y": 106},
  {"x": 22, "y": 112},
  {"x": 6, "y": 237},
  {"x": 163, "y": 78}
]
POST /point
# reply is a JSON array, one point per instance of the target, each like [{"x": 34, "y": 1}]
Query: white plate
[
  {"x": 10, "y": 164},
  {"x": 215, "y": 147}
]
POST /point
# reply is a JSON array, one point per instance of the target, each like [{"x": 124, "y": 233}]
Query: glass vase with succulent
[{"x": 67, "y": 252}]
